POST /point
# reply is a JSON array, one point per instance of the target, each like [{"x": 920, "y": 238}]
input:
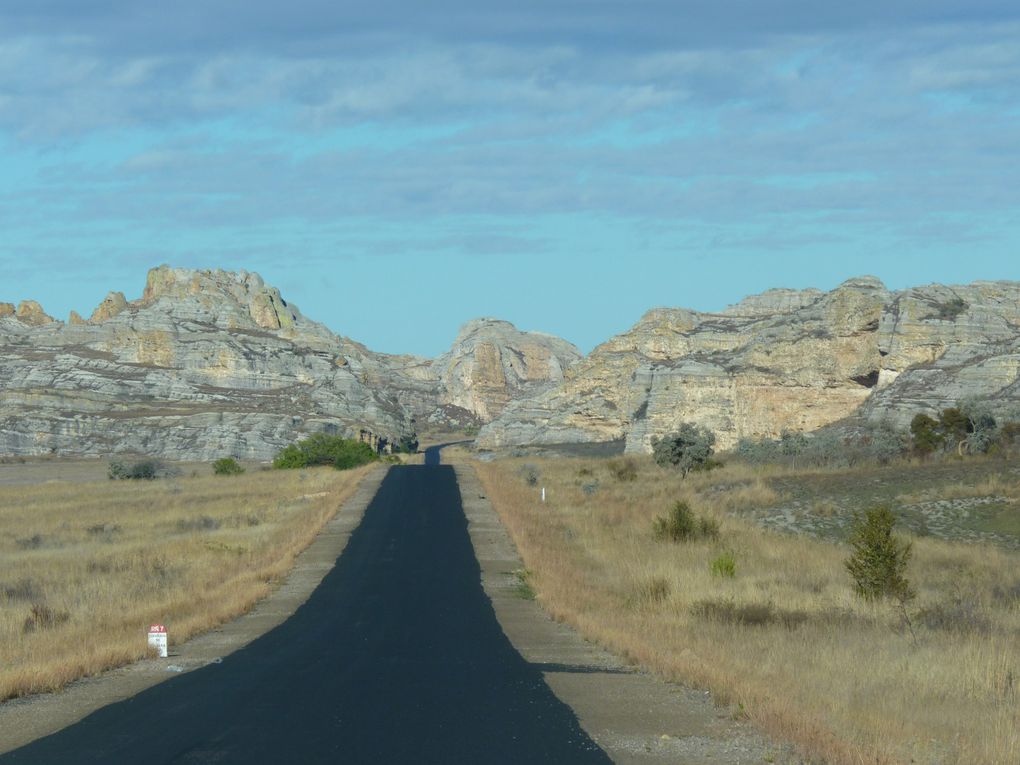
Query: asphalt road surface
[{"x": 397, "y": 657}]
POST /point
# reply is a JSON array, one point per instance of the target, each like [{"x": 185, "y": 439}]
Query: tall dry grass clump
[
  {"x": 86, "y": 567},
  {"x": 769, "y": 620}
]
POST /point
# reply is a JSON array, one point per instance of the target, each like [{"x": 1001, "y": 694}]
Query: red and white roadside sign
[{"x": 157, "y": 639}]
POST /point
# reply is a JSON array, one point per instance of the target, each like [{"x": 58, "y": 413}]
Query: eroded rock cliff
[
  {"x": 784, "y": 360},
  {"x": 214, "y": 363}
]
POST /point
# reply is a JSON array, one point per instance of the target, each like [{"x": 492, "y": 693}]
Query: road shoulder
[
  {"x": 24, "y": 720},
  {"x": 634, "y": 716}
]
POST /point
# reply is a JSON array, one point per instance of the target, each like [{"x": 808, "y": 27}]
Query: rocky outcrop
[
  {"x": 112, "y": 304},
  {"x": 782, "y": 361},
  {"x": 30, "y": 312},
  {"x": 214, "y": 363},
  {"x": 205, "y": 364},
  {"x": 493, "y": 363}
]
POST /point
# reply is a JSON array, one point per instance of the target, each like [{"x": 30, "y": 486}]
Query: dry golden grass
[
  {"x": 785, "y": 638},
  {"x": 85, "y": 568}
]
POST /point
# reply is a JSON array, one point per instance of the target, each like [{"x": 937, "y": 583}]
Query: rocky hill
[
  {"x": 783, "y": 360},
  {"x": 213, "y": 363}
]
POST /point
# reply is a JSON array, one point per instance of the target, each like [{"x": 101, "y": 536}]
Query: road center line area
[{"x": 397, "y": 657}]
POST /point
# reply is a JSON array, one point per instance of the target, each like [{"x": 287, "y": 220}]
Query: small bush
[
  {"x": 530, "y": 474},
  {"x": 33, "y": 542},
  {"x": 202, "y": 523},
  {"x": 878, "y": 559},
  {"x": 682, "y": 525},
  {"x": 748, "y": 614},
  {"x": 227, "y": 466},
  {"x": 42, "y": 617},
  {"x": 144, "y": 470},
  {"x": 590, "y": 489},
  {"x": 623, "y": 470},
  {"x": 522, "y": 587},
  {"x": 24, "y": 589},
  {"x": 654, "y": 590},
  {"x": 957, "y": 614},
  {"x": 724, "y": 566},
  {"x": 406, "y": 444}
]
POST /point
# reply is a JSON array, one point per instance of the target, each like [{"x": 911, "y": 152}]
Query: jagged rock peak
[
  {"x": 112, "y": 304},
  {"x": 264, "y": 304},
  {"x": 30, "y": 312}
]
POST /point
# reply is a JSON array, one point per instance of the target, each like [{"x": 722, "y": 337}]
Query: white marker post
[
  {"x": 157, "y": 639},
  {"x": 543, "y": 494}
]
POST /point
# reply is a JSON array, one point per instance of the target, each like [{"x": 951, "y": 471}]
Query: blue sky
[{"x": 398, "y": 168}]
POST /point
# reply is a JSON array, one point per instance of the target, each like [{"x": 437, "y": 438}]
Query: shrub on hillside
[
  {"x": 227, "y": 466},
  {"x": 322, "y": 449},
  {"x": 876, "y": 442},
  {"x": 143, "y": 470},
  {"x": 878, "y": 559},
  {"x": 689, "y": 447},
  {"x": 681, "y": 524}
]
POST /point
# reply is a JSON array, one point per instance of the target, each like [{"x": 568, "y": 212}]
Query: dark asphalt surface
[{"x": 397, "y": 657}]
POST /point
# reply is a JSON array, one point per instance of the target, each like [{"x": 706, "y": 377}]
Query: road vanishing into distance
[{"x": 396, "y": 657}]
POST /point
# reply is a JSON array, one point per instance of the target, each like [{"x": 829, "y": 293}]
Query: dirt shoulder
[
  {"x": 24, "y": 720},
  {"x": 634, "y": 716}
]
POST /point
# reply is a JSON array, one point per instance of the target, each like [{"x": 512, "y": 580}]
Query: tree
[
  {"x": 227, "y": 466},
  {"x": 925, "y": 434},
  {"x": 687, "y": 449},
  {"x": 878, "y": 561}
]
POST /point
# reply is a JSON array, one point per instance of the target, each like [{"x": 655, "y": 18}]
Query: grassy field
[
  {"x": 785, "y": 638},
  {"x": 87, "y": 565}
]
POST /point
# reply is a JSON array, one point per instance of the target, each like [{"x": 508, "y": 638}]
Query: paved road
[{"x": 397, "y": 657}]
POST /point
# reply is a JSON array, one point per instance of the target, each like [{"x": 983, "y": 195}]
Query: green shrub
[
  {"x": 144, "y": 470},
  {"x": 227, "y": 466},
  {"x": 682, "y": 525},
  {"x": 685, "y": 449},
  {"x": 725, "y": 565},
  {"x": 322, "y": 449},
  {"x": 925, "y": 434},
  {"x": 878, "y": 560},
  {"x": 406, "y": 444}
]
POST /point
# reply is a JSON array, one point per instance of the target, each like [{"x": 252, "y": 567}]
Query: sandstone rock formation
[
  {"x": 492, "y": 363},
  {"x": 206, "y": 364},
  {"x": 783, "y": 360},
  {"x": 213, "y": 363}
]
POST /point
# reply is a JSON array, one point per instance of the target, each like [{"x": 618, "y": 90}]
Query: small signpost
[
  {"x": 157, "y": 639},
  {"x": 543, "y": 494}
]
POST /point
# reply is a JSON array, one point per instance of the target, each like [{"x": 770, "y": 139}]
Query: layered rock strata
[
  {"x": 213, "y": 363},
  {"x": 785, "y": 360}
]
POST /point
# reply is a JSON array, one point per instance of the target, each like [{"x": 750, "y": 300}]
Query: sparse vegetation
[
  {"x": 778, "y": 636},
  {"x": 227, "y": 466},
  {"x": 624, "y": 469},
  {"x": 85, "y": 567}
]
